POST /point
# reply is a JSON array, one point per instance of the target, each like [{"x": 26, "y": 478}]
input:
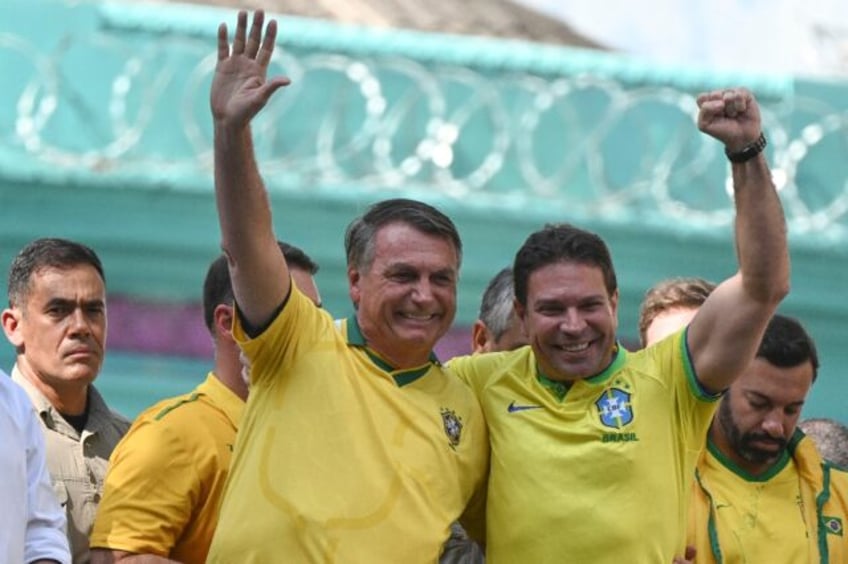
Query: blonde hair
[{"x": 671, "y": 293}]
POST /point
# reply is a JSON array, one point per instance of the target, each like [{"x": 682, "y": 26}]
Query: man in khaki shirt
[{"x": 56, "y": 321}]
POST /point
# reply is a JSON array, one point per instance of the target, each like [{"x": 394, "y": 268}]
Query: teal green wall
[{"x": 104, "y": 138}]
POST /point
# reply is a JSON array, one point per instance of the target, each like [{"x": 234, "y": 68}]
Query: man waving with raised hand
[{"x": 356, "y": 445}]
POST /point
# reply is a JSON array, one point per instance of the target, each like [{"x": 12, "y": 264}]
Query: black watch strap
[{"x": 747, "y": 152}]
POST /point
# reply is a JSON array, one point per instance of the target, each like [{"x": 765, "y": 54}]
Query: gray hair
[
  {"x": 361, "y": 233},
  {"x": 831, "y": 438},
  {"x": 496, "y": 308},
  {"x": 48, "y": 252}
]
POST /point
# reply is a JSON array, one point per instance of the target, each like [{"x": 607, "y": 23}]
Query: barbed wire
[{"x": 106, "y": 103}]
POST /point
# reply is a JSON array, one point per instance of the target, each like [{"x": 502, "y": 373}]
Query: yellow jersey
[
  {"x": 166, "y": 477},
  {"x": 598, "y": 471},
  {"x": 339, "y": 458}
]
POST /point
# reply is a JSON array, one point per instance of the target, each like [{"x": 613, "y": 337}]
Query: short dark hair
[
  {"x": 496, "y": 307},
  {"x": 47, "y": 252},
  {"x": 786, "y": 344},
  {"x": 360, "y": 234},
  {"x": 218, "y": 287},
  {"x": 561, "y": 242},
  {"x": 672, "y": 293}
]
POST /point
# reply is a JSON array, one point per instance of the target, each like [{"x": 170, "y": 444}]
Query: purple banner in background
[
  {"x": 178, "y": 330},
  {"x": 158, "y": 328}
]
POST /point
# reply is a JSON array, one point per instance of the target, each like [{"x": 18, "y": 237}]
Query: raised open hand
[
  {"x": 731, "y": 116},
  {"x": 240, "y": 87}
]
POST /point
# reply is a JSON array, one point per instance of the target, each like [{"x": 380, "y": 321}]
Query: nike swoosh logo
[{"x": 512, "y": 408}]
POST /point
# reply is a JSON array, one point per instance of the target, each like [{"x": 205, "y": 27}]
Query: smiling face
[
  {"x": 570, "y": 320},
  {"x": 757, "y": 418},
  {"x": 59, "y": 330},
  {"x": 406, "y": 297}
]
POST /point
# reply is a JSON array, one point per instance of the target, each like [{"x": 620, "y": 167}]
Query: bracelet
[{"x": 747, "y": 152}]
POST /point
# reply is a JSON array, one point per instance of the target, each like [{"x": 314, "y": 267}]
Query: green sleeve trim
[
  {"x": 192, "y": 398},
  {"x": 694, "y": 384}
]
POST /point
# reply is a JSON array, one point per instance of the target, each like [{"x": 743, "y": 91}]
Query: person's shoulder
[
  {"x": 838, "y": 470},
  {"x": 807, "y": 456},
  {"x": 33, "y": 395},
  {"x": 174, "y": 422},
  {"x": 120, "y": 421},
  {"x": 14, "y": 399},
  {"x": 6, "y": 385},
  {"x": 837, "y": 484},
  {"x": 495, "y": 359},
  {"x": 11, "y": 392},
  {"x": 673, "y": 344},
  {"x": 175, "y": 410},
  {"x": 489, "y": 366},
  {"x": 662, "y": 359},
  {"x": 101, "y": 412}
]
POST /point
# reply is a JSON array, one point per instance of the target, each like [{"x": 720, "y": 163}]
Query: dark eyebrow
[
  {"x": 59, "y": 302},
  {"x": 65, "y": 302},
  {"x": 763, "y": 397},
  {"x": 396, "y": 266},
  {"x": 445, "y": 272},
  {"x": 595, "y": 298},
  {"x": 406, "y": 267}
]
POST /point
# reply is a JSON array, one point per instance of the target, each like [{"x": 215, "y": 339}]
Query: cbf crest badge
[
  {"x": 453, "y": 426},
  {"x": 614, "y": 408}
]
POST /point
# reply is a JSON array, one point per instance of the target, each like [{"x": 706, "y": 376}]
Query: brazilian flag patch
[{"x": 833, "y": 525}]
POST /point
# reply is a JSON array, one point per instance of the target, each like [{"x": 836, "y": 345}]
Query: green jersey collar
[
  {"x": 559, "y": 388},
  {"x": 355, "y": 338},
  {"x": 725, "y": 461}
]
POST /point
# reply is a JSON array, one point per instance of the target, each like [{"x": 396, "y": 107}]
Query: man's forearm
[
  {"x": 760, "y": 232},
  {"x": 243, "y": 207},
  {"x": 260, "y": 283}
]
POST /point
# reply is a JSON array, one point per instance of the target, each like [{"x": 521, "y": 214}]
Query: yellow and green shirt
[
  {"x": 793, "y": 513},
  {"x": 166, "y": 477},
  {"x": 339, "y": 458},
  {"x": 596, "y": 472}
]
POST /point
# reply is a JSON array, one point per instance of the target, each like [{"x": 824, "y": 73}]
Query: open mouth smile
[{"x": 574, "y": 348}]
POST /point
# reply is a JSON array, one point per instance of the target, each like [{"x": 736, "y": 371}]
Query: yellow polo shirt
[{"x": 166, "y": 477}]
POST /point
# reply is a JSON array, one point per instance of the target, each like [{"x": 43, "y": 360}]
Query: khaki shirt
[{"x": 77, "y": 461}]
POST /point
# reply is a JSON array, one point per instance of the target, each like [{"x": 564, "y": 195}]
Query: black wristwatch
[{"x": 747, "y": 152}]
